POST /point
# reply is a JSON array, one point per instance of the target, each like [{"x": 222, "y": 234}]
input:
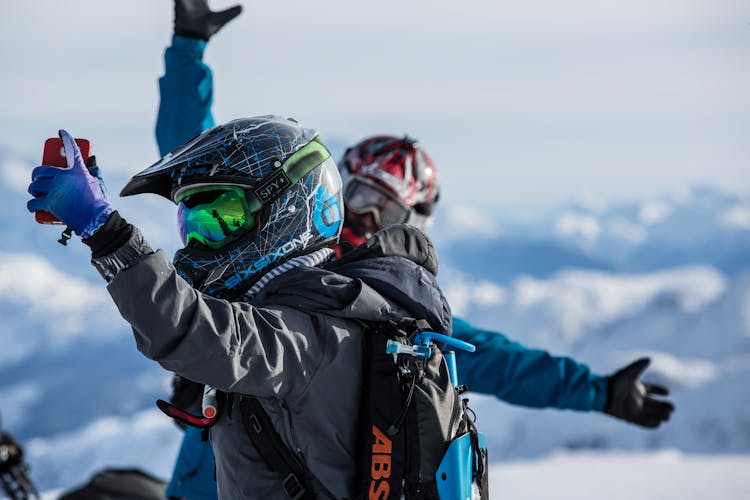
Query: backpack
[{"x": 417, "y": 438}]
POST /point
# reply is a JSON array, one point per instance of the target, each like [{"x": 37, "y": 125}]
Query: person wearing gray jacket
[{"x": 254, "y": 304}]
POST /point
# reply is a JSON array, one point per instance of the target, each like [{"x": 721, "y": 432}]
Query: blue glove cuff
[{"x": 97, "y": 223}]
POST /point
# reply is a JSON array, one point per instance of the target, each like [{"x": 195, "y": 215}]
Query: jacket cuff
[
  {"x": 601, "y": 392},
  {"x": 192, "y": 46},
  {"x": 123, "y": 257}
]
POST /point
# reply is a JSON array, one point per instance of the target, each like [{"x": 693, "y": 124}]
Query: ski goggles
[
  {"x": 213, "y": 215},
  {"x": 362, "y": 197}
]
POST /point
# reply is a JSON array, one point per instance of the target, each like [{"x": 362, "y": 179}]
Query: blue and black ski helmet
[{"x": 291, "y": 185}]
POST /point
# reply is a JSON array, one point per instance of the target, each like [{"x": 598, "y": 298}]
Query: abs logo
[
  {"x": 326, "y": 213},
  {"x": 380, "y": 470}
]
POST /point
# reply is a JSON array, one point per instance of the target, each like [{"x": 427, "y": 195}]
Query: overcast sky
[{"x": 523, "y": 105}]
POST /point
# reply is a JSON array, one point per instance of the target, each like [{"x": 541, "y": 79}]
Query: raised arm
[
  {"x": 186, "y": 94},
  {"x": 186, "y": 89}
]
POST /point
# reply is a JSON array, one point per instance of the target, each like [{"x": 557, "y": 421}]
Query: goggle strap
[{"x": 292, "y": 171}]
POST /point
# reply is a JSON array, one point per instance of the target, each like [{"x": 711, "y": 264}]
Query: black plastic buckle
[
  {"x": 256, "y": 424},
  {"x": 293, "y": 487}
]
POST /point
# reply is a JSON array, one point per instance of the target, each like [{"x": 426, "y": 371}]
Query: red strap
[{"x": 196, "y": 421}]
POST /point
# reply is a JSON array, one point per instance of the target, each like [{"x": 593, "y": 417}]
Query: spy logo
[
  {"x": 326, "y": 213},
  {"x": 271, "y": 187}
]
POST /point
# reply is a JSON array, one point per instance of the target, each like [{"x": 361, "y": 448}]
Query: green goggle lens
[{"x": 213, "y": 215}]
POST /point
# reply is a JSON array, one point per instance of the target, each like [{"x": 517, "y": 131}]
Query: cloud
[
  {"x": 654, "y": 211},
  {"x": 468, "y": 221},
  {"x": 539, "y": 100},
  {"x": 737, "y": 217},
  {"x": 577, "y": 301},
  {"x": 44, "y": 308},
  {"x": 578, "y": 226}
]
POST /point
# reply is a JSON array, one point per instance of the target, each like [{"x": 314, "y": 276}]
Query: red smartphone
[{"x": 54, "y": 156}]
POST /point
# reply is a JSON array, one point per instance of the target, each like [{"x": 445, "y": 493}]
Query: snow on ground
[
  {"x": 623, "y": 476},
  {"x": 663, "y": 475}
]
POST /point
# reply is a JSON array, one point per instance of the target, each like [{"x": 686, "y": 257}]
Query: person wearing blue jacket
[{"x": 506, "y": 369}]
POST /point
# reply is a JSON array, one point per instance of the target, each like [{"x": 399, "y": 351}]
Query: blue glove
[{"x": 71, "y": 194}]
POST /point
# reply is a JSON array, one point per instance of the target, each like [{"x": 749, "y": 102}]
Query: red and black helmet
[{"x": 387, "y": 180}]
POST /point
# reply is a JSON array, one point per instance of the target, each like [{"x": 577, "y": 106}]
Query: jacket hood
[{"x": 389, "y": 277}]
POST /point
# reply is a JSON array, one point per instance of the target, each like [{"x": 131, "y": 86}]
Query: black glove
[
  {"x": 193, "y": 18},
  {"x": 630, "y": 399}
]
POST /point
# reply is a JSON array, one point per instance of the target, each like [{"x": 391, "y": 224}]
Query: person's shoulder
[{"x": 397, "y": 240}]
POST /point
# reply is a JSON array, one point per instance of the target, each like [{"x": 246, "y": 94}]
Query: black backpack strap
[
  {"x": 294, "y": 475},
  {"x": 382, "y": 460}
]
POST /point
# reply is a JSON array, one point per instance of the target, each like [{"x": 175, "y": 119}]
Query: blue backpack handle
[
  {"x": 421, "y": 345},
  {"x": 426, "y": 338}
]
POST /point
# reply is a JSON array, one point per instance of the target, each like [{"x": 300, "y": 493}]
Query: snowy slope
[
  {"x": 623, "y": 476},
  {"x": 664, "y": 278}
]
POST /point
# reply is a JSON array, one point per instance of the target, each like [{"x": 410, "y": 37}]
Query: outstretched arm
[
  {"x": 523, "y": 376},
  {"x": 535, "y": 378}
]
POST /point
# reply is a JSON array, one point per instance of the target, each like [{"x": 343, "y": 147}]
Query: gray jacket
[{"x": 296, "y": 346}]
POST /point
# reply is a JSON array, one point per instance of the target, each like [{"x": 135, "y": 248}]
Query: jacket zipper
[{"x": 287, "y": 415}]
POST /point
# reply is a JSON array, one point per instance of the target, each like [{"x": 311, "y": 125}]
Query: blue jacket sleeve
[
  {"x": 193, "y": 475},
  {"x": 523, "y": 376},
  {"x": 186, "y": 94}
]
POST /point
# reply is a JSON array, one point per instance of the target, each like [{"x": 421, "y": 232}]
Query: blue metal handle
[
  {"x": 450, "y": 360},
  {"x": 426, "y": 338}
]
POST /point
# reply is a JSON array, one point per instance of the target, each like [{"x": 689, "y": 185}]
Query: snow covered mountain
[
  {"x": 703, "y": 226},
  {"x": 665, "y": 278},
  {"x": 669, "y": 279},
  {"x": 694, "y": 323}
]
